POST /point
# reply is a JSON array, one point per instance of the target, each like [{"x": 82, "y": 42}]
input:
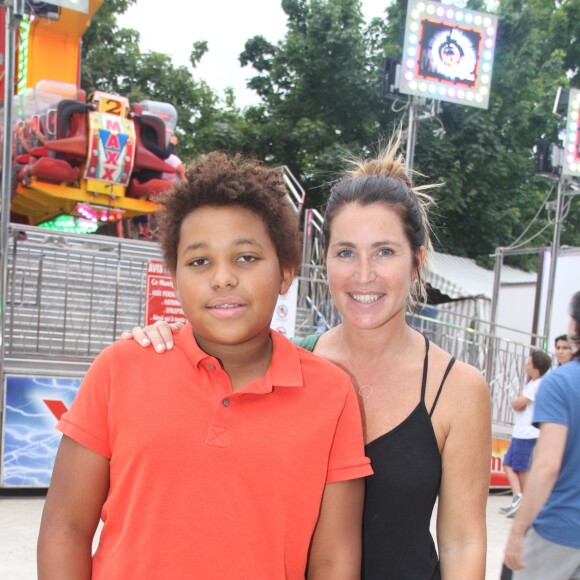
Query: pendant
[{"x": 365, "y": 391}]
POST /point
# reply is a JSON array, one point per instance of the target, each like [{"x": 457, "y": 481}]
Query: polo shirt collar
[{"x": 285, "y": 369}]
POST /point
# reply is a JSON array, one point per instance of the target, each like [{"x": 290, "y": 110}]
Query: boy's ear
[{"x": 286, "y": 280}]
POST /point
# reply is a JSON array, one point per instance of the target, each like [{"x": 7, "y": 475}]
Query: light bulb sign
[
  {"x": 448, "y": 53},
  {"x": 571, "y": 163}
]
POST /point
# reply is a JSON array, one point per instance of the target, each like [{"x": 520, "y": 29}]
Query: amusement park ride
[{"x": 92, "y": 157}]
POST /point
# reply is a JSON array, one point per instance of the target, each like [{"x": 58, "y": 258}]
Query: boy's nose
[{"x": 224, "y": 277}]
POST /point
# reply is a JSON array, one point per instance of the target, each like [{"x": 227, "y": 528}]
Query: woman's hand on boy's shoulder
[{"x": 159, "y": 334}]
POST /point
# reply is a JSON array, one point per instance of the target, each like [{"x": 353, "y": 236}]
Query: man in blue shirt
[{"x": 550, "y": 549}]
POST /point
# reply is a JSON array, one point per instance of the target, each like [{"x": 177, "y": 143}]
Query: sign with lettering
[
  {"x": 112, "y": 148},
  {"x": 162, "y": 302}
]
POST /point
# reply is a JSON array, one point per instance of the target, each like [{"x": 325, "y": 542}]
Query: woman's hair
[
  {"x": 384, "y": 180},
  {"x": 222, "y": 181},
  {"x": 575, "y": 315}
]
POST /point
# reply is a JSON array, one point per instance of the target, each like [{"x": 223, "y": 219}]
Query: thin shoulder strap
[
  {"x": 449, "y": 366},
  {"x": 425, "y": 368}
]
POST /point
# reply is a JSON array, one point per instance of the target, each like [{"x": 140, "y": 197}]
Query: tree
[{"x": 319, "y": 91}]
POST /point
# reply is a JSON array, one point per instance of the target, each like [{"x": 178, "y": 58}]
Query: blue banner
[{"x": 33, "y": 406}]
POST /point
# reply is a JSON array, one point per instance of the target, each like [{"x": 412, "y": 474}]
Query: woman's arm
[
  {"x": 335, "y": 551},
  {"x": 539, "y": 485},
  {"x": 466, "y": 457},
  {"x": 160, "y": 335},
  {"x": 78, "y": 489}
]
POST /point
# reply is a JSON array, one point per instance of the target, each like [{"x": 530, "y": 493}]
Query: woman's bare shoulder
[{"x": 464, "y": 382}]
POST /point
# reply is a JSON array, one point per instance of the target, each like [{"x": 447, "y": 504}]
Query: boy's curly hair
[{"x": 219, "y": 180}]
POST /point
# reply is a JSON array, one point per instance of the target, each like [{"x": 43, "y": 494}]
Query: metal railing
[{"x": 70, "y": 296}]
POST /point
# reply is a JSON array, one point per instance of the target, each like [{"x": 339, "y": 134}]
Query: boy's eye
[
  {"x": 247, "y": 259},
  {"x": 198, "y": 262}
]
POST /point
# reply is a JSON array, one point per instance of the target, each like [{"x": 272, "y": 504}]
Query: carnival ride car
[{"x": 88, "y": 157}]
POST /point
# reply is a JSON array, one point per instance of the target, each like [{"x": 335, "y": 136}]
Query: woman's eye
[
  {"x": 247, "y": 259},
  {"x": 345, "y": 254},
  {"x": 385, "y": 252}
]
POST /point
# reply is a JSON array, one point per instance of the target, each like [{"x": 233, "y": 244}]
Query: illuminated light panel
[
  {"x": 571, "y": 164},
  {"x": 98, "y": 213},
  {"x": 22, "y": 70},
  {"x": 70, "y": 224},
  {"x": 450, "y": 49}
]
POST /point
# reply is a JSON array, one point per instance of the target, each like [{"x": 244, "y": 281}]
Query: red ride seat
[
  {"x": 137, "y": 189},
  {"x": 71, "y": 129},
  {"x": 47, "y": 168}
]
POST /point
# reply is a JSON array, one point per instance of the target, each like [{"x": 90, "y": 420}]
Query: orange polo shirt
[{"x": 207, "y": 483}]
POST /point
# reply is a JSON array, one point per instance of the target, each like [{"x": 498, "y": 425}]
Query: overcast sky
[{"x": 172, "y": 26}]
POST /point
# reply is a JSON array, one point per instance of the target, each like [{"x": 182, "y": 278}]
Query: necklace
[{"x": 365, "y": 391}]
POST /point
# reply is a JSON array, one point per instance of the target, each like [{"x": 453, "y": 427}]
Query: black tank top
[{"x": 397, "y": 543}]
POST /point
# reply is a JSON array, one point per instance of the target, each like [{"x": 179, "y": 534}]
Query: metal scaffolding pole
[
  {"x": 14, "y": 11},
  {"x": 562, "y": 184},
  {"x": 412, "y": 134}
]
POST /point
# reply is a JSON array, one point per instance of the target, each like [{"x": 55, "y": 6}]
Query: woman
[
  {"x": 426, "y": 417},
  {"x": 563, "y": 350},
  {"x": 544, "y": 541}
]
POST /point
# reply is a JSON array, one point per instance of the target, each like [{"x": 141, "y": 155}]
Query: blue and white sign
[{"x": 30, "y": 440}]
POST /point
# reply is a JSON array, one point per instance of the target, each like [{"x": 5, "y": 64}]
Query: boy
[
  {"x": 241, "y": 456},
  {"x": 519, "y": 454}
]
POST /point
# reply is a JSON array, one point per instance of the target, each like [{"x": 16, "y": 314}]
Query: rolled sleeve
[
  {"x": 87, "y": 420},
  {"x": 347, "y": 459}
]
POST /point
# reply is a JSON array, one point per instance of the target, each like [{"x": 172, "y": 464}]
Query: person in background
[
  {"x": 519, "y": 454},
  {"x": 544, "y": 541},
  {"x": 563, "y": 350},
  {"x": 179, "y": 174},
  {"x": 426, "y": 417},
  {"x": 216, "y": 462},
  {"x": 142, "y": 223}
]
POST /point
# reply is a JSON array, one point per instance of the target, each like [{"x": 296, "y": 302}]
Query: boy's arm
[
  {"x": 78, "y": 489},
  {"x": 335, "y": 552}
]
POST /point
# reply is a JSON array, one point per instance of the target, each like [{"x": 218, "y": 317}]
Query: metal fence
[{"x": 70, "y": 296}]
